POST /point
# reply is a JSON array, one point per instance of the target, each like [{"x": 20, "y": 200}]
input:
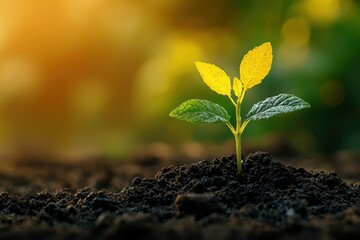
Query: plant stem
[
  {"x": 232, "y": 100},
  {"x": 238, "y": 136},
  {"x": 238, "y": 151}
]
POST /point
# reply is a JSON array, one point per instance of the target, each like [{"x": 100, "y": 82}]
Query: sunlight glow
[
  {"x": 89, "y": 97},
  {"x": 291, "y": 58},
  {"x": 2, "y": 36},
  {"x": 18, "y": 76},
  {"x": 170, "y": 63},
  {"x": 159, "y": 76},
  {"x": 323, "y": 11},
  {"x": 80, "y": 11},
  {"x": 296, "y": 32},
  {"x": 294, "y": 48}
]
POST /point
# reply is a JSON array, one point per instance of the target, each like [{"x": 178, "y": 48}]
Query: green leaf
[
  {"x": 276, "y": 105},
  {"x": 200, "y": 111}
]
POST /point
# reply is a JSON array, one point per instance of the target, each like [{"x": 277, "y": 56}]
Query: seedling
[{"x": 254, "y": 67}]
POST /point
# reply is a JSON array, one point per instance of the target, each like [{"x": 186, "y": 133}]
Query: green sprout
[{"x": 254, "y": 67}]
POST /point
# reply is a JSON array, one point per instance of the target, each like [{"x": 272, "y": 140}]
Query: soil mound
[{"x": 208, "y": 200}]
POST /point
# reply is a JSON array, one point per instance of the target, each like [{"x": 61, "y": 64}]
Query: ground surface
[{"x": 203, "y": 200}]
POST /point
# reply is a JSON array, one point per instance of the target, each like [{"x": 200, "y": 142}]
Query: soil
[{"x": 203, "y": 200}]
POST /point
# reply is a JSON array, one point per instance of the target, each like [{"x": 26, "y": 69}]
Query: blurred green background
[{"x": 102, "y": 75}]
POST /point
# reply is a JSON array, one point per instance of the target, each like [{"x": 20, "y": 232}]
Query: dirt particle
[{"x": 199, "y": 205}]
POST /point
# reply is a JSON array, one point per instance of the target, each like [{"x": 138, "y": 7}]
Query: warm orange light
[
  {"x": 18, "y": 76},
  {"x": 2, "y": 36}
]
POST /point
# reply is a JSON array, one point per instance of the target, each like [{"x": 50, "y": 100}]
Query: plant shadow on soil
[{"x": 203, "y": 200}]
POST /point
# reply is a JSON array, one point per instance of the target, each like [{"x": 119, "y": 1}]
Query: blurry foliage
[{"x": 104, "y": 74}]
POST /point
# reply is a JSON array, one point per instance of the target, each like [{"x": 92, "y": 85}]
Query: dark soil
[{"x": 204, "y": 200}]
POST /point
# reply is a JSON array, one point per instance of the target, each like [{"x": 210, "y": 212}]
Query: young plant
[{"x": 254, "y": 67}]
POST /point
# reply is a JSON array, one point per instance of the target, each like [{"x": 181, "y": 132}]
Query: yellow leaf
[
  {"x": 237, "y": 86},
  {"x": 214, "y": 77},
  {"x": 255, "y": 65}
]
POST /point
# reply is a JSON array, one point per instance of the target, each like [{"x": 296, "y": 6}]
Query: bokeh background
[{"x": 102, "y": 76}]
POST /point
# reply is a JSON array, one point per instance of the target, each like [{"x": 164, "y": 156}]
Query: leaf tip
[
  {"x": 199, "y": 64},
  {"x": 267, "y": 44},
  {"x": 172, "y": 113}
]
